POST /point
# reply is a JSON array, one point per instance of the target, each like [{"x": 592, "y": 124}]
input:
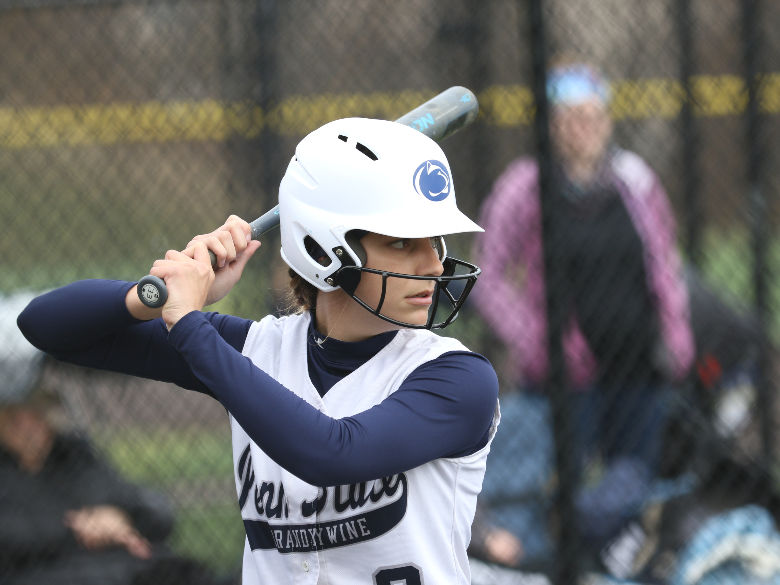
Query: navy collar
[
  {"x": 337, "y": 350},
  {"x": 329, "y": 360}
]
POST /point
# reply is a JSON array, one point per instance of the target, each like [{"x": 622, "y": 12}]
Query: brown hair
[{"x": 301, "y": 295}]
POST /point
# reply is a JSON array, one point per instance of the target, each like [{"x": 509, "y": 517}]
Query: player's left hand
[{"x": 188, "y": 278}]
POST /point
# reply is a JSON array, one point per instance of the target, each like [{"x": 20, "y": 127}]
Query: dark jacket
[{"x": 37, "y": 547}]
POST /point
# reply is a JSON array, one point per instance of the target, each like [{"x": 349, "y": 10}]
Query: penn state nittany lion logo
[{"x": 432, "y": 180}]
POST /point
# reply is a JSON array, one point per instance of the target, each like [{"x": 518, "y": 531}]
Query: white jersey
[{"x": 410, "y": 528}]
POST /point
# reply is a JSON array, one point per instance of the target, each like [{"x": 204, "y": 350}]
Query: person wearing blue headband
[
  {"x": 576, "y": 84},
  {"x": 581, "y": 128},
  {"x": 627, "y": 337}
]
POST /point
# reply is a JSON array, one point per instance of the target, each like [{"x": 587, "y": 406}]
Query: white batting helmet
[{"x": 363, "y": 175}]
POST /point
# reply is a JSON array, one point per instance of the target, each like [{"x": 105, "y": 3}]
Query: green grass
[
  {"x": 181, "y": 463},
  {"x": 728, "y": 266},
  {"x": 213, "y": 534},
  {"x": 164, "y": 456}
]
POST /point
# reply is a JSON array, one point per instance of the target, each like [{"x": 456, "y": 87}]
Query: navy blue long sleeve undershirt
[{"x": 443, "y": 409}]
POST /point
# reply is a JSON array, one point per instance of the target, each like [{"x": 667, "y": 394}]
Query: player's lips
[{"x": 421, "y": 298}]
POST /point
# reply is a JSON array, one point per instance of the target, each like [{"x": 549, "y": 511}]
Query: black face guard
[{"x": 451, "y": 287}]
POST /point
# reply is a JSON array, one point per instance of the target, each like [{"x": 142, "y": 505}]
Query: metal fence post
[
  {"x": 693, "y": 219},
  {"x": 566, "y": 569},
  {"x": 759, "y": 221}
]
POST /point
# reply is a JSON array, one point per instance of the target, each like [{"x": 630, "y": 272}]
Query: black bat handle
[{"x": 152, "y": 291}]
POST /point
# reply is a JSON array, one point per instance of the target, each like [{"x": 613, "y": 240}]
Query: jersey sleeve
[
  {"x": 444, "y": 408},
  {"x": 87, "y": 323}
]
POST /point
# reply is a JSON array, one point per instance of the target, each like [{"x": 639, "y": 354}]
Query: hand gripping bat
[{"x": 438, "y": 118}]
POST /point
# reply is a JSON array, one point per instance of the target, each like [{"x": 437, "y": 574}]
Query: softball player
[{"x": 359, "y": 436}]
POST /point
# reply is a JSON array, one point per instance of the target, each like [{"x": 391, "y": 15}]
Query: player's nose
[{"x": 429, "y": 263}]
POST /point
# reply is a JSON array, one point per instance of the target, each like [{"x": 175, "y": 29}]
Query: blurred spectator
[
  {"x": 627, "y": 337},
  {"x": 65, "y": 515}
]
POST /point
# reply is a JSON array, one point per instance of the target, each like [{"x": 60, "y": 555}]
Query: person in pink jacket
[{"x": 627, "y": 336}]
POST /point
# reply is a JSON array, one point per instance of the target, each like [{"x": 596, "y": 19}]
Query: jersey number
[{"x": 406, "y": 575}]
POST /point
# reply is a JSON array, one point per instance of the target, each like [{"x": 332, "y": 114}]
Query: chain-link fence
[{"x": 128, "y": 126}]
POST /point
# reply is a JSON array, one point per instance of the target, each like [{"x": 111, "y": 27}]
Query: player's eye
[{"x": 399, "y": 244}]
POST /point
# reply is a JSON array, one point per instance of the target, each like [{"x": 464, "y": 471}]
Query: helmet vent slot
[
  {"x": 316, "y": 252},
  {"x": 367, "y": 151},
  {"x": 342, "y": 138}
]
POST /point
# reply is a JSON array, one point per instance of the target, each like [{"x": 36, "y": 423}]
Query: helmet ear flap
[
  {"x": 346, "y": 279},
  {"x": 349, "y": 279}
]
